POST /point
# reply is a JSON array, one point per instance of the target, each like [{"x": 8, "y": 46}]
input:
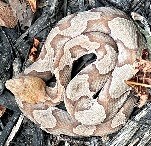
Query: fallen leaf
[
  {"x": 36, "y": 42},
  {"x": 33, "y": 5},
  {"x": 141, "y": 82},
  {"x": 143, "y": 99},
  {"x": 2, "y": 110},
  {"x": 33, "y": 51}
]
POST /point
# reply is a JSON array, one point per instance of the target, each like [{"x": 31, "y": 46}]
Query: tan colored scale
[{"x": 96, "y": 99}]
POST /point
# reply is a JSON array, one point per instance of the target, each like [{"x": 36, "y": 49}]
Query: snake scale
[{"x": 114, "y": 39}]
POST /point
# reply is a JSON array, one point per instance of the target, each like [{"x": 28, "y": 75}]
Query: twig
[
  {"x": 14, "y": 130},
  {"x": 132, "y": 132}
]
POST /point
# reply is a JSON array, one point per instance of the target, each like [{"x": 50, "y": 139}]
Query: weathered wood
[{"x": 136, "y": 131}]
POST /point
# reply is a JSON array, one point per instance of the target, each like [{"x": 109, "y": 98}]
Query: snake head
[{"x": 29, "y": 89}]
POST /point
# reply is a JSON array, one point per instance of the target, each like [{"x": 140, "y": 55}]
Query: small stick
[{"x": 14, "y": 130}]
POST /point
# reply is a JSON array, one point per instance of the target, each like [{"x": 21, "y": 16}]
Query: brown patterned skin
[{"x": 112, "y": 36}]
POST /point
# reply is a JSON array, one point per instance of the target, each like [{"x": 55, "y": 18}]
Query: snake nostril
[{"x": 81, "y": 63}]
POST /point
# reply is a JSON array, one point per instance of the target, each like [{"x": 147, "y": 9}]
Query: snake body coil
[{"x": 114, "y": 39}]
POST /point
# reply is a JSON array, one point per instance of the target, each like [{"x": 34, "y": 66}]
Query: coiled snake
[{"x": 114, "y": 39}]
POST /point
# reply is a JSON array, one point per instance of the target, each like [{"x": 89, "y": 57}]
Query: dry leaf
[
  {"x": 36, "y": 42},
  {"x": 2, "y": 110},
  {"x": 141, "y": 91},
  {"x": 32, "y": 5},
  {"x": 32, "y": 54},
  {"x": 141, "y": 81},
  {"x": 33, "y": 51},
  {"x": 7, "y": 17},
  {"x": 143, "y": 65},
  {"x": 143, "y": 99}
]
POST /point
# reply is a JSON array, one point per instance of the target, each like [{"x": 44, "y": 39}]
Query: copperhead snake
[{"x": 114, "y": 39}]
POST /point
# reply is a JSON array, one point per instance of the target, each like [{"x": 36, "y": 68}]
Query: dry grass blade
[{"x": 132, "y": 84}]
